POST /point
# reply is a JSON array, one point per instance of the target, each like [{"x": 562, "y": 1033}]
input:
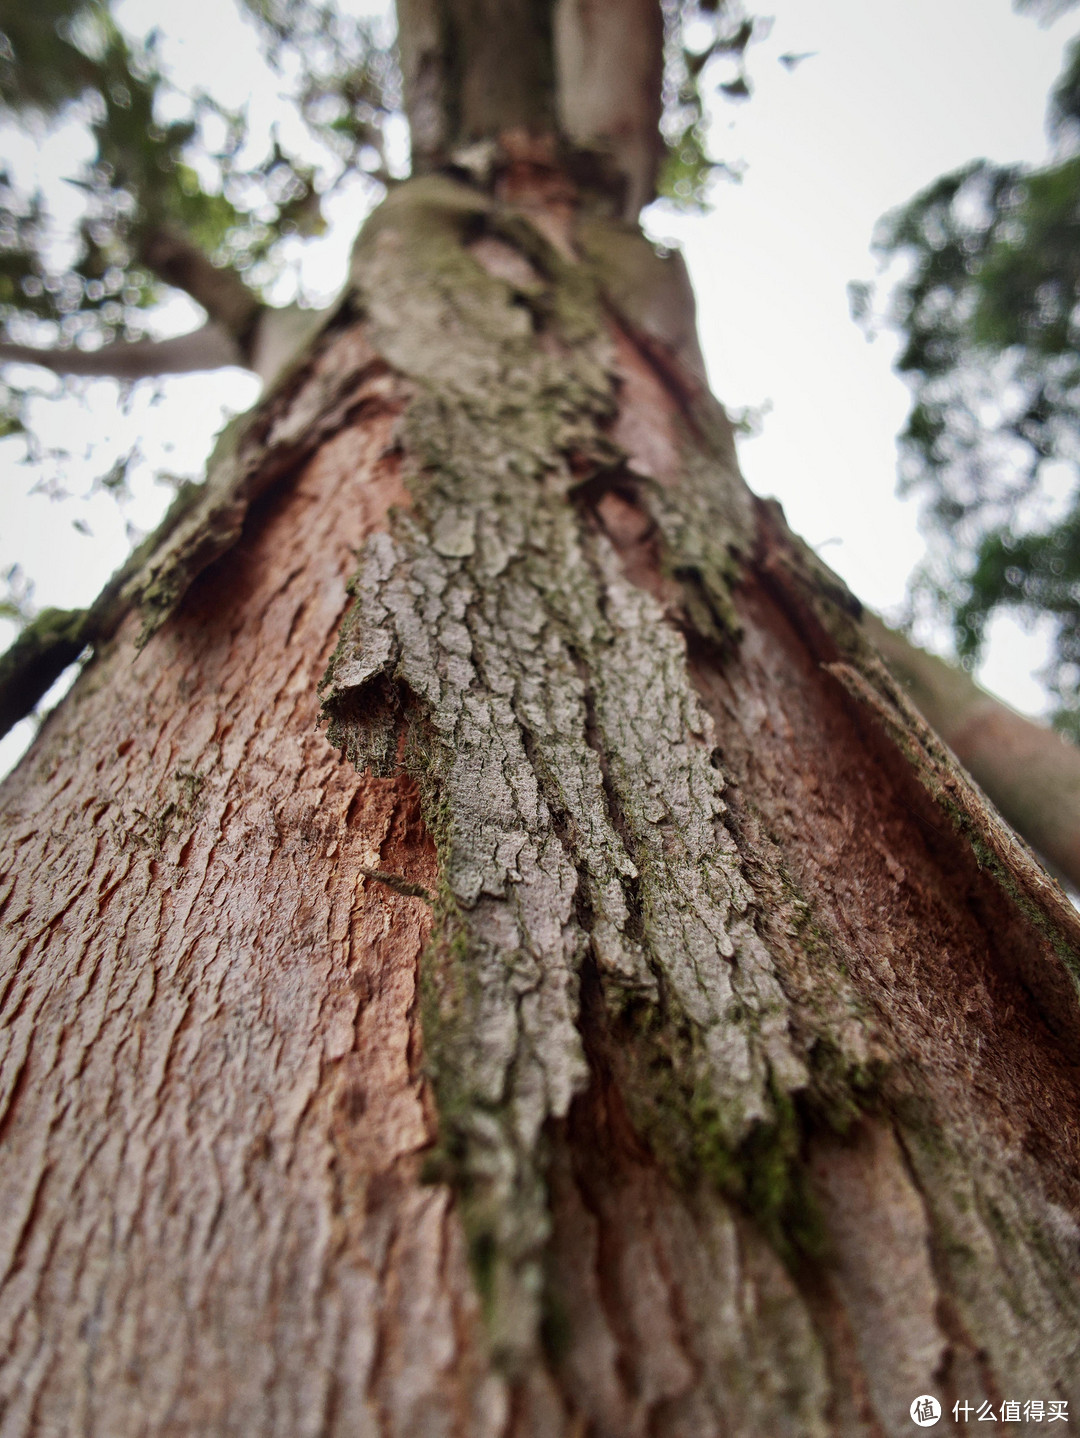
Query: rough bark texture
[{"x": 651, "y": 1031}]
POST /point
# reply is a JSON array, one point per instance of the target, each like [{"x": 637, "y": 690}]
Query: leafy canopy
[{"x": 989, "y": 313}]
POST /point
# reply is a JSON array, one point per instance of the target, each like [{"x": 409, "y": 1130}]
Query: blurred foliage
[
  {"x": 172, "y": 165},
  {"x": 988, "y": 308},
  {"x": 205, "y": 176},
  {"x": 707, "y": 43}
]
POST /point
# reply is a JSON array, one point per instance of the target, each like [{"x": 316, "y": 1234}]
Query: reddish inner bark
[{"x": 226, "y": 1010}]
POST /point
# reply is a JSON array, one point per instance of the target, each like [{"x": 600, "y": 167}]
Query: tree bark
[{"x": 641, "y": 1026}]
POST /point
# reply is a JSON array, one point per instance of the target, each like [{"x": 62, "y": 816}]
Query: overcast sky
[{"x": 895, "y": 93}]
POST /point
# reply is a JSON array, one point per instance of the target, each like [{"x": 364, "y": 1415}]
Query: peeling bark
[{"x": 644, "y": 1027}]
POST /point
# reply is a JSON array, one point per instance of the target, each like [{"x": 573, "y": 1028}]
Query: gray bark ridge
[{"x": 516, "y": 638}]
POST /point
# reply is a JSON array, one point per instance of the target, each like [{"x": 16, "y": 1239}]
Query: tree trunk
[{"x": 642, "y": 1027}]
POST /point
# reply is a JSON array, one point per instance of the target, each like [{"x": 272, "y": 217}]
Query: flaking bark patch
[
  {"x": 568, "y": 768},
  {"x": 538, "y": 627}
]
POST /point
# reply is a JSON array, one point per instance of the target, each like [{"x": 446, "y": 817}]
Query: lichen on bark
[{"x": 568, "y": 765}]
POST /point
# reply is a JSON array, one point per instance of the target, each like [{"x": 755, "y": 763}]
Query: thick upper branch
[
  {"x": 210, "y": 347},
  {"x": 610, "y": 63},
  {"x": 585, "y": 71},
  {"x": 474, "y": 69},
  {"x": 220, "y": 290},
  {"x": 1031, "y": 773}
]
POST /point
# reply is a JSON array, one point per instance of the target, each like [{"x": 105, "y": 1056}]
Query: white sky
[{"x": 898, "y": 92}]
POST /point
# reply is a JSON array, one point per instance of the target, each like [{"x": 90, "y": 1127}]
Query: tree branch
[
  {"x": 1030, "y": 773},
  {"x": 210, "y": 347},
  {"x": 608, "y": 61},
  {"x": 36, "y": 660},
  {"x": 220, "y": 290},
  {"x": 506, "y": 85}
]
